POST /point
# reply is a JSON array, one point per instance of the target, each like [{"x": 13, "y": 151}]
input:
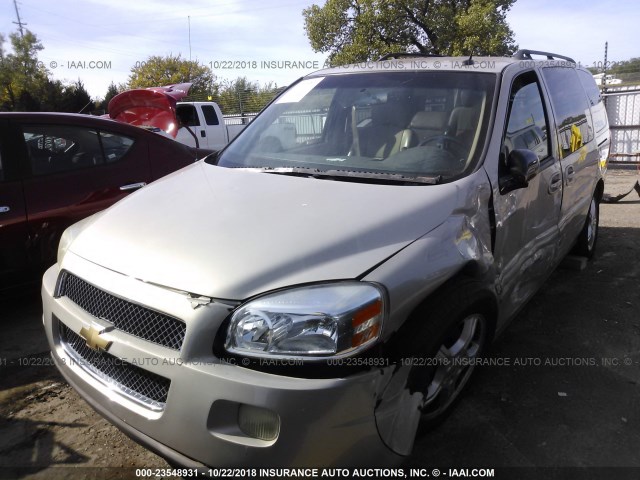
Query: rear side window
[
  {"x": 115, "y": 146},
  {"x": 571, "y": 107},
  {"x": 598, "y": 111},
  {"x": 210, "y": 115},
  {"x": 590, "y": 87},
  {"x": 63, "y": 148},
  {"x": 60, "y": 148}
]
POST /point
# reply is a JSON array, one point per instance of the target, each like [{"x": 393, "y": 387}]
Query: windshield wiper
[{"x": 350, "y": 174}]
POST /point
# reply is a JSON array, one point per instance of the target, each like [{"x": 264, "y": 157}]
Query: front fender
[{"x": 461, "y": 245}]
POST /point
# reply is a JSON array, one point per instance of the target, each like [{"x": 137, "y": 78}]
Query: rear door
[
  {"x": 216, "y": 129},
  {"x": 577, "y": 150},
  {"x": 75, "y": 171},
  {"x": 13, "y": 215}
]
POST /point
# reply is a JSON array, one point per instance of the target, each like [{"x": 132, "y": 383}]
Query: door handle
[
  {"x": 132, "y": 186},
  {"x": 4, "y": 209},
  {"x": 203, "y": 133},
  {"x": 556, "y": 182},
  {"x": 570, "y": 173}
]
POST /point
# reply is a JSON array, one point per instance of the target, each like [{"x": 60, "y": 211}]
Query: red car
[{"x": 56, "y": 169}]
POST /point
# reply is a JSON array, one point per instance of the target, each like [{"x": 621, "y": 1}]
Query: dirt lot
[{"x": 567, "y": 394}]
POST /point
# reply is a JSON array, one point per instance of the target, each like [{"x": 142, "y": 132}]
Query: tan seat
[
  {"x": 387, "y": 133},
  {"x": 463, "y": 121},
  {"x": 428, "y": 124}
]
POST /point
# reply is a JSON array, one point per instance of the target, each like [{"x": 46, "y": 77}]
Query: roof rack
[
  {"x": 396, "y": 55},
  {"x": 526, "y": 55}
]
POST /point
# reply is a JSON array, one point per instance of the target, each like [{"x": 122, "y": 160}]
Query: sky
[{"x": 99, "y": 41}]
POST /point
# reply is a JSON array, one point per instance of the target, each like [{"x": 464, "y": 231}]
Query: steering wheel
[{"x": 447, "y": 142}]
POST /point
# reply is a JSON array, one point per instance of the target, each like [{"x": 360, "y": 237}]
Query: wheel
[
  {"x": 449, "y": 143},
  {"x": 454, "y": 359},
  {"x": 586, "y": 243},
  {"x": 456, "y": 333}
]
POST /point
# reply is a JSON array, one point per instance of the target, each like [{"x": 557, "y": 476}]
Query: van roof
[{"x": 402, "y": 62}]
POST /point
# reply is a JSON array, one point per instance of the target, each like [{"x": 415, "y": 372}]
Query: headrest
[{"x": 428, "y": 120}]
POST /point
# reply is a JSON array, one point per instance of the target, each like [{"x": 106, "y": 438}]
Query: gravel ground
[{"x": 526, "y": 416}]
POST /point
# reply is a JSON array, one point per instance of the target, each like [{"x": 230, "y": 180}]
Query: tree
[
  {"x": 23, "y": 79},
  {"x": 52, "y": 96},
  {"x": 112, "y": 91},
  {"x": 5, "y": 75},
  {"x": 76, "y": 99},
  {"x": 158, "y": 71},
  {"x": 360, "y": 30}
]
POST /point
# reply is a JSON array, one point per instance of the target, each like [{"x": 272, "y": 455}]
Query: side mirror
[{"x": 522, "y": 166}]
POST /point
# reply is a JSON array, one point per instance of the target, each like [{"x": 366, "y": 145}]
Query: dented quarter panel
[{"x": 464, "y": 238}]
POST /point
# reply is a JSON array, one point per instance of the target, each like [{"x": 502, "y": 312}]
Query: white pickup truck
[{"x": 206, "y": 121}]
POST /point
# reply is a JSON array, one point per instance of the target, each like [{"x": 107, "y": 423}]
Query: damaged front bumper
[{"x": 209, "y": 405}]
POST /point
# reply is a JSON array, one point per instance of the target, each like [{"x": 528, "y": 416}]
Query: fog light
[{"x": 258, "y": 422}]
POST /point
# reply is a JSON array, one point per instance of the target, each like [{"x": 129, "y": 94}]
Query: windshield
[{"x": 408, "y": 124}]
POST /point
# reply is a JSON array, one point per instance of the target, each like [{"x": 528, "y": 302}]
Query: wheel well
[
  {"x": 599, "y": 192},
  {"x": 466, "y": 281},
  {"x": 461, "y": 282}
]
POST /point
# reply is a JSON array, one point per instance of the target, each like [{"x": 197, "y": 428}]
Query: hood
[{"x": 232, "y": 233}]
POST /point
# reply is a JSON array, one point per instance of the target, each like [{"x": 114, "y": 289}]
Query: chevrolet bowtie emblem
[{"x": 94, "y": 342}]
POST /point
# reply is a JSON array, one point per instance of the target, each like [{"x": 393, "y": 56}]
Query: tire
[
  {"x": 456, "y": 329},
  {"x": 588, "y": 238}
]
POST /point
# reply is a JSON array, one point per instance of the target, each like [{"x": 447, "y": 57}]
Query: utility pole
[
  {"x": 19, "y": 22},
  {"x": 604, "y": 73},
  {"x": 189, "y": 19},
  {"x": 604, "y": 67}
]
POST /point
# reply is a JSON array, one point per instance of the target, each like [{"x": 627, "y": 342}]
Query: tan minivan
[{"x": 328, "y": 281}]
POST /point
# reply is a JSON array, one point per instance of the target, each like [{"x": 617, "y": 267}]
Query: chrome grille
[
  {"x": 134, "y": 382},
  {"x": 129, "y": 317}
]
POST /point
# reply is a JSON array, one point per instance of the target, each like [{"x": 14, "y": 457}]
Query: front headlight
[{"x": 314, "y": 321}]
